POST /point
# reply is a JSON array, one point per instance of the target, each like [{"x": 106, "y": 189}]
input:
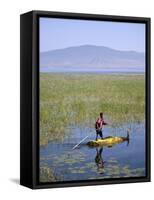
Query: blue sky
[{"x": 62, "y": 33}]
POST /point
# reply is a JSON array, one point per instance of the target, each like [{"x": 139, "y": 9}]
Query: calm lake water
[
  {"x": 126, "y": 159},
  {"x": 117, "y": 71}
]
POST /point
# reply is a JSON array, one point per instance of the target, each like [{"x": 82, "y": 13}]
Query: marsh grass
[
  {"x": 77, "y": 99},
  {"x": 46, "y": 174}
]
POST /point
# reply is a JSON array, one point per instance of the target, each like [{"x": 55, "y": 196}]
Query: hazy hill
[{"x": 91, "y": 58}]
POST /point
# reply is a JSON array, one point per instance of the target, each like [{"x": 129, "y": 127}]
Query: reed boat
[{"x": 108, "y": 141}]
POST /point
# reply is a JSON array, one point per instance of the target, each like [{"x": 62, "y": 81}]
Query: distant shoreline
[{"x": 93, "y": 72}]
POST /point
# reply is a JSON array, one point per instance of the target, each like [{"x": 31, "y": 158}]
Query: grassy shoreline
[{"x": 77, "y": 99}]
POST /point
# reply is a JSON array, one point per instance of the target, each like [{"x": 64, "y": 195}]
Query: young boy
[{"x": 99, "y": 126}]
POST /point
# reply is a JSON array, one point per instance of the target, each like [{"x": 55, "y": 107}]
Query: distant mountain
[{"x": 91, "y": 58}]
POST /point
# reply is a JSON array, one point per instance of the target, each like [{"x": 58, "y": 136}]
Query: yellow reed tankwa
[{"x": 108, "y": 141}]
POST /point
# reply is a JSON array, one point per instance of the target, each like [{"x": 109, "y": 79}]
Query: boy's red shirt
[{"x": 100, "y": 122}]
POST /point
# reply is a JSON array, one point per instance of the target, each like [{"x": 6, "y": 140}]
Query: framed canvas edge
[{"x": 35, "y": 96}]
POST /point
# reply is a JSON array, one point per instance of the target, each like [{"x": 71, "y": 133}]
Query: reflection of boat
[{"x": 108, "y": 141}]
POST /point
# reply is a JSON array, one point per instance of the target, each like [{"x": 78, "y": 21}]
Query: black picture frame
[{"x": 29, "y": 98}]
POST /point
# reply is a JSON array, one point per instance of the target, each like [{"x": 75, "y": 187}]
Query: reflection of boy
[
  {"x": 98, "y": 159},
  {"x": 99, "y": 126}
]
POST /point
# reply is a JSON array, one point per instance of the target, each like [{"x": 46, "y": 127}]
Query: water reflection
[
  {"x": 126, "y": 159},
  {"x": 99, "y": 159}
]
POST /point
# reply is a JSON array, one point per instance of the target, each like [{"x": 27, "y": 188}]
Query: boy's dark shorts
[{"x": 99, "y": 132}]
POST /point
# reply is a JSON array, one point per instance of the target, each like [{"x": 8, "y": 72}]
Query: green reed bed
[{"x": 77, "y": 99}]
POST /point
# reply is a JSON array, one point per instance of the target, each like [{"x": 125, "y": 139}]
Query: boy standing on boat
[{"x": 99, "y": 126}]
